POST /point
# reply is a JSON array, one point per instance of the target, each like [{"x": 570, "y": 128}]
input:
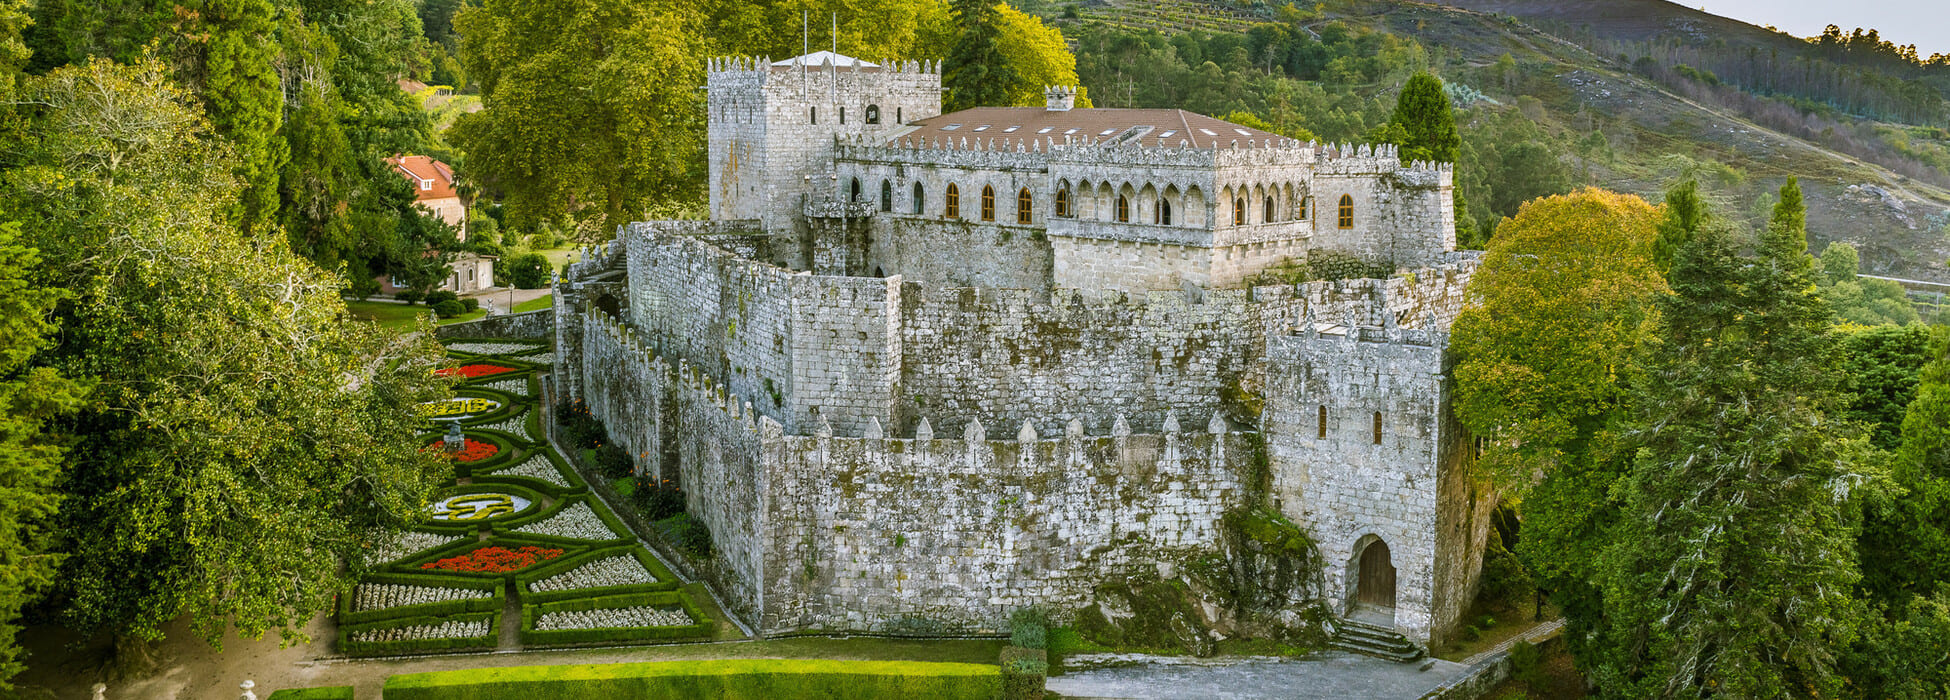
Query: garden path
[{"x": 1332, "y": 674}]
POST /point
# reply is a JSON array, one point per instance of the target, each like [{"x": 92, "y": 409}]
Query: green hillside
[{"x": 1605, "y": 90}]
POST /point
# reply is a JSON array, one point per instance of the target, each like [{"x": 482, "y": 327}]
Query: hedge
[
  {"x": 576, "y": 484},
  {"x": 510, "y": 405},
  {"x": 464, "y": 546},
  {"x": 337, "y": 692},
  {"x": 702, "y": 627},
  {"x": 616, "y": 527},
  {"x": 462, "y": 527},
  {"x": 666, "y": 581},
  {"x": 507, "y": 448},
  {"x": 488, "y": 641},
  {"x": 738, "y": 679},
  {"x": 492, "y": 595}
]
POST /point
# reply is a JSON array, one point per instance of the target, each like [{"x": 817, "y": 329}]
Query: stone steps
[{"x": 1372, "y": 640}]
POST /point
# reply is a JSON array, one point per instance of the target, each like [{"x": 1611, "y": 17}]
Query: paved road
[{"x": 1331, "y": 674}]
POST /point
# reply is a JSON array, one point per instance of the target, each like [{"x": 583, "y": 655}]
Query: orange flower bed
[
  {"x": 471, "y": 450},
  {"x": 495, "y": 560},
  {"x": 471, "y": 371}
]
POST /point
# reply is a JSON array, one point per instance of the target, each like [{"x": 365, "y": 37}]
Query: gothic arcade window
[
  {"x": 1347, "y": 211},
  {"x": 873, "y": 114},
  {"x": 1239, "y": 212},
  {"x": 1023, "y": 204},
  {"x": 853, "y": 189},
  {"x": 1320, "y": 426},
  {"x": 1123, "y": 208},
  {"x": 1377, "y": 427},
  {"x": 988, "y": 203},
  {"x": 1063, "y": 202},
  {"x": 1304, "y": 201},
  {"x": 1268, "y": 218},
  {"x": 887, "y": 195},
  {"x": 918, "y": 200},
  {"x": 1164, "y": 211},
  {"x": 953, "y": 210}
]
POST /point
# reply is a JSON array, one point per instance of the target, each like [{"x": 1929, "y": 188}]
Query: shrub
[
  {"x": 687, "y": 534},
  {"x": 439, "y": 295},
  {"x": 735, "y": 679},
  {"x": 1527, "y": 664},
  {"x": 337, "y": 692},
  {"x": 657, "y": 499},
  {"x": 470, "y": 304},
  {"x": 526, "y": 271},
  {"x": 448, "y": 309},
  {"x": 410, "y": 296},
  {"x": 579, "y": 429},
  {"x": 1029, "y": 629},
  {"x": 614, "y": 462}
]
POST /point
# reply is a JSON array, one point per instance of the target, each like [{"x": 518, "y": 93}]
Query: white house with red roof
[{"x": 434, "y": 191}]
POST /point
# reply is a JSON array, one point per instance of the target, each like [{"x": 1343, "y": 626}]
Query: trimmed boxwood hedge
[
  {"x": 576, "y": 484},
  {"x": 465, "y": 546},
  {"x": 510, "y": 405},
  {"x": 489, "y": 641},
  {"x": 337, "y": 692},
  {"x": 452, "y": 527},
  {"x": 620, "y": 532},
  {"x": 493, "y": 593},
  {"x": 703, "y": 627},
  {"x": 737, "y": 679},
  {"x": 508, "y": 448},
  {"x": 666, "y": 581}
]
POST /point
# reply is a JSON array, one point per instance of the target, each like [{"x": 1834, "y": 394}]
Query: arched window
[
  {"x": 842, "y": 115},
  {"x": 887, "y": 195},
  {"x": 1347, "y": 211},
  {"x": 853, "y": 189},
  {"x": 918, "y": 200},
  {"x": 953, "y": 210},
  {"x": 988, "y": 203},
  {"x": 1164, "y": 211},
  {"x": 812, "y": 113},
  {"x": 898, "y": 118},
  {"x": 1023, "y": 204},
  {"x": 1268, "y": 218},
  {"x": 873, "y": 114},
  {"x": 1304, "y": 201},
  {"x": 1123, "y": 208},
  {"x": 1239, "y": 212},
  {"x": 1063, "y": 202}
]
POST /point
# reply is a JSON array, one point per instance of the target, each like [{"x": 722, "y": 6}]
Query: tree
[
  {"x": 526, "y": 271},
  {"x": 870, "y": 29},
  {"x": 1861, "y": 300},
  {"x": 243, "y": 438},
  {"x": 1427, "y": 122},
  {"x": 1037, "y": 56},
  {"x": 1906, "y": 535},
  {"x": 978, "y": 74},
  {"x": 1729, "y": 571},
  {"x": 30, "y": 454},
  {"x": 1685, "y": 215},
  {"x": 590, "y": 108},
  {"x": 240, "y": 86}
]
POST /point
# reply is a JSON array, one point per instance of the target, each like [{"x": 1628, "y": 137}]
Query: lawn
[
  {"x": 538, "y": 303},
  {"x": 400, "y": 316}
]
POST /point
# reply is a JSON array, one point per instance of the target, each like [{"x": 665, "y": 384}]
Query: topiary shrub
[
  {"x": 1029, "y": 629},
  {"x": 439, "y": 295},
  {"x": 448, "y": 309},
  {"x": 470, "y": 304},
  {"x": 410, "y": 296},
  {"x": 340, "y": 692}
]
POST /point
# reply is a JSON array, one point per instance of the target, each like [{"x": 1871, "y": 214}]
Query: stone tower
[{"x": 773, "y": 124}]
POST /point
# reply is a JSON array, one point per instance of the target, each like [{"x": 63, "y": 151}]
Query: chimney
[{"x": 1059, "y": 98}]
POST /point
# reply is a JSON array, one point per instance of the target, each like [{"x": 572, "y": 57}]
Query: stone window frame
[
  {"x": 873, "y": 114},
  {"x": 887, "y": 196},
  {"x": 1320, "y": 428},
  {"x": 853, "y": 189},
  {"x": 1063, "y": 202},
  {"x": 1239, "y": 211},
  {"x": 920, "y": 199},
  {"x": 988, "y": 202},
  {"x": 952, "y": 209},
  {"x": 1123, "y": 209},
  {"x": 1025, "y": 204},
  {"x": 1305, "y": 210},
  {"x": 1162, "y": 215},
  {"x": 1270, "y": 214},
  {"x": 812, "y": 113},
  {"x": 1377, "y": 427},
  {"x": 1346, "y": 218}
]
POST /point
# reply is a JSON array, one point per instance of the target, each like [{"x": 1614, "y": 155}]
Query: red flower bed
[
  {"x": 495, "y": 560},
  {"x": 472, "y": 371},
  {"x": 471, "y": 450}
]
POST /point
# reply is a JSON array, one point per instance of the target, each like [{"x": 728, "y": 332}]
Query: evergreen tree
[
  {"x": 1685, "y": 216},
  {"x": 239, "y": 82},
  {"x": 978, "y": 75},
  {"x": 1729, "y": 572},
  {"x": 1428, "y": 124}
]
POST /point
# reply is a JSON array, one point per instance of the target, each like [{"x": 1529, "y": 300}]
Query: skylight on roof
[
  {"x": 1243, "y": 132},
  {"x": 1167, "y": 134},
  {"x": 951, "y": 127},
  {"x": 1208, "y": 132},
  {"x": 983, "y": 127},
  {"x": 1107, "y": 132},
  {"x": 1011, "y": 130},
  {"x": 1045, "y": 130},
  {"x": 1067, "y": 132}
]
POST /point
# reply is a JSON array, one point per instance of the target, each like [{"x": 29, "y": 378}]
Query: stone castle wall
[{"x": 952, "y": 534}]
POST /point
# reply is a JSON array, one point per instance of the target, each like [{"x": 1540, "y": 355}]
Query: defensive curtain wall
[
  {"x": 882, "y": 525},
  {"x": 1212, "y": 217}
]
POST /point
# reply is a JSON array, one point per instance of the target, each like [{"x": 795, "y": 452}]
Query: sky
[{"x": 1925, "y": 23}]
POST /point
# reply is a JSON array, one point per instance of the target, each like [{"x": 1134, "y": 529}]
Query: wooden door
[{"x": 1377, "y": 581}]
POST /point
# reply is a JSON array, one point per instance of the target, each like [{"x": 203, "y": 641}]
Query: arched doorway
[{"x": 1374, "y": 580}]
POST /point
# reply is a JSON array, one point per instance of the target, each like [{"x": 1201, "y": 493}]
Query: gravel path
[{"x": 1333, "y": 674}]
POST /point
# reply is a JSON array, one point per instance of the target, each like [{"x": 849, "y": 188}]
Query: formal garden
[{"x": 517, "y": 552}]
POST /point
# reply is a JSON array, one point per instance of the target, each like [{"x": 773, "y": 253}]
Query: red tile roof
[
  {"x": 1148, "y": 127},
  {"x": 422, "y": 171}
]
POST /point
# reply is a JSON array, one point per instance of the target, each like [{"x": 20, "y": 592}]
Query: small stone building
[
  {"x": 434, "y": 191},
  {"x": 920, "y": 370}
]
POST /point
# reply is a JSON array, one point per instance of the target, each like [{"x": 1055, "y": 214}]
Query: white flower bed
[
  {"x": 612, "y": 571},
  {"x": 546, "y": 358},
  {"x": 513, "y": 426},
  {"x": 492, "y": 348},
  {"x": 407, "y": 543},
  {"x": 377, "y": 596},
  {"x": 645, "y": 616},
  {"x": 537, "y": 467},
  {"x": 576, "y": 521},
  {"x": 518, "y": 387},
  {"x": 445, "y": 630}
]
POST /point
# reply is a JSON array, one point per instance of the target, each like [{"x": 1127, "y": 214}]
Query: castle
[{"x": 921, "y": 370}]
